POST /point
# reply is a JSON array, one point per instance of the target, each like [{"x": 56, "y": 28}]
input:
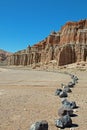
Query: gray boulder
[
  {"x": 65, "y": 111},
  {"x": 73, "y": 104},
  {"x": 63, "y": 122},
  {"x": 74, "y": 81},
  {"x": 58, "y": 92},
  {"x": 71, "y": 84},
  {"x": 42, "y": 125},
  {"x": 74, "y": 77},
  {"x": 69, "y": 105},
  {"x": 67, "y": 89},
  {"x": 63, "y": 94}
]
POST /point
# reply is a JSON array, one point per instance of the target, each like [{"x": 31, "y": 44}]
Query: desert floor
[{"x": 27, "y": 96}]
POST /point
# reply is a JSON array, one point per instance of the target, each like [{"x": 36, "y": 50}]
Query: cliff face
[
  {"x": 4, "y": 55},
  {"x": 75, "y": 32},
  {"x": 67, "y": 46}
]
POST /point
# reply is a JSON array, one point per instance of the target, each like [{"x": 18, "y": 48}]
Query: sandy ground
[{"x": 27, "y": 96}]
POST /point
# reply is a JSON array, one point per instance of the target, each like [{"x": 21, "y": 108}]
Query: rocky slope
[
  {"x": 4, "y": 55},
  {"x": 69, "y": 45}
]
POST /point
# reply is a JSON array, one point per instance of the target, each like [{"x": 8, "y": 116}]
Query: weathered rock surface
[
  {"x": 69, "y": 45},
  {"x": 63, "y": 94},
  {"x": 63, "y": 122},
  {"x": 67, "y": 89},
  {"x": 58, "y": 91},
  {"x": 42, "y": 125},
  {"x": 4, "y": 55},
  {"x": 69, "y": 105},
  {"x": 65, "y": 111}
]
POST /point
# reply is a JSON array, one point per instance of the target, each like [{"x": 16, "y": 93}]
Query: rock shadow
[
  {"x": 73, "y": 126},
  {"x": 74, "y": 115}
]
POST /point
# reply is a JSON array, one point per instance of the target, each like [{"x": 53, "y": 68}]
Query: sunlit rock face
[
  {"x": 69, "y": 45},
  {"x": 4, "y": 56}
]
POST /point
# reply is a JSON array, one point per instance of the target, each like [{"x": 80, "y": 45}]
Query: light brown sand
[{"x": 27, "y": 96}]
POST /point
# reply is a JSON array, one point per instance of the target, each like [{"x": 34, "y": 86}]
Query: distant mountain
[{"x": 3, "y": 55}]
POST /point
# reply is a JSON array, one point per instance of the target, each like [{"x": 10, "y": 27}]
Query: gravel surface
[{"x": 27, "y": 96}]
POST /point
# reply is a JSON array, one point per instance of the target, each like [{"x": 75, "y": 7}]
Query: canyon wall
[
  {"x": 69, "y": 45},
  {"x": 3, "y": 57}
]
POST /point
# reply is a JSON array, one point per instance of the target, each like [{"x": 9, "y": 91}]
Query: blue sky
[{"x": 24, "y": 22}]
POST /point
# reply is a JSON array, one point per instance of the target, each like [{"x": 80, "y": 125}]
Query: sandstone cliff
[
  {"x": 69, "y": 45},
  {"x": 3, "y": 56}
]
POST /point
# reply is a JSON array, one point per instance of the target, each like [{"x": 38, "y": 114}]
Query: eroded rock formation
[
  {"x": 69, "y": 45},
  {"x": 3, "y": 57}
]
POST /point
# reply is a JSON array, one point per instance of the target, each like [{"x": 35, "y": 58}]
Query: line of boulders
[
  {"x": 65, "y": 112},
  {"x": 67, "y": 109}
]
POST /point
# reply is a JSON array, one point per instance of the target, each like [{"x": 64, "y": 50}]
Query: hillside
[
  {"x": 3, "y": 56},
  {"x": 68, "y": 45}
]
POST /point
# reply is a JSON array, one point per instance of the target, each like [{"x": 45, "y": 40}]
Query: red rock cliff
[
  {"x": 67, "y": 46},
  {"x": 74, "y": 32}
]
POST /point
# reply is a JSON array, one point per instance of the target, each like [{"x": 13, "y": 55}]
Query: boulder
[
  {"x": 58, "y": 92},
  {"x": 73, "y": 105},
  {"x": 68, "y": 105},
  {"x": 63, "y": 122},
  {"x": 42, "y": 125},
  {"x": 71, "y": 84},
  {"x": 63, "y": 94},
  {"x": 75, "y": 78},
  {"x": 65, "y": 111},
  {"x": 74, "y": 81},
  {"x": 67, "y": 89}
]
